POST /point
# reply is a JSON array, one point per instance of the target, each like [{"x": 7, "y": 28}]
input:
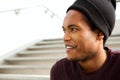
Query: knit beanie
[{"x": 101, "y": 13}]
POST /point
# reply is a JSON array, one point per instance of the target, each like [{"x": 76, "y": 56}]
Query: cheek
[
  {"x": 86, "y": 40},
  {"x": 90, "y": 42},
  {"x": 90, "y": 36}
]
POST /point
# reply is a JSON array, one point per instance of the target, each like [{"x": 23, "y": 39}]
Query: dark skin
[{"x": 83, "y": 44}]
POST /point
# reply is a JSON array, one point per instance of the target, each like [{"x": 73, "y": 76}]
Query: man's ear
[{"x": 100, "y": 35}]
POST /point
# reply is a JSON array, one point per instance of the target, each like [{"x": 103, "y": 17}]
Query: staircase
[
  {"x": 113, "y": 42},
  {"x": 35, "y": 61}
]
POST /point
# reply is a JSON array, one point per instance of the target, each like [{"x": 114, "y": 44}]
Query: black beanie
[{"x": 101, "y": 13}]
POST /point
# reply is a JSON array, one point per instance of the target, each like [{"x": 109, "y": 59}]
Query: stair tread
[
  {"x": 113, "y": 42},
  {"x": 42, "y": 52},
  {"x": 50, "y": 42},
  {"x": 24, "y": 77},
  {"x": 59, "y": 39},
  {"x": 47, "y": 46},
  {"x": 117, "y": 37},
  {"x": 23, "y": 67},
  {"x": 32, "y": 58}
]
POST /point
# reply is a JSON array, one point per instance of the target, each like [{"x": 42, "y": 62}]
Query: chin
[
  {"x": 77, "y": 59},
  {"x": 71, "y": 59}
]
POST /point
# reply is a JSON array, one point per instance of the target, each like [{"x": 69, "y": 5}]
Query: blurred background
[{"x": 24, "y": 21}]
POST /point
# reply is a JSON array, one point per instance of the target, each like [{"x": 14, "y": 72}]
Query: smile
[{"x": 70, "y": 47}]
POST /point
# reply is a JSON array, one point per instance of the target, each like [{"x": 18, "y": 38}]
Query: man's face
[{"x": 79, "y": 39}]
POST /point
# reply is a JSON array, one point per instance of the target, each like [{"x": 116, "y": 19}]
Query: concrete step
[
  {"x": 59, "y": 39},
  {"x": 108, "y": 42},
  {"x": 51, "y": 53},
  {"x": 114, "y": 48},
  {"x": 23, "y": 69},
  {"x": 47, "y": 47},
  {"x": 23, "y": 77},
  {"x": 113, "y": 39},
  {"x": 113, "y": 44},
  {"x": 43, "y": 61},
  {"x": 49, "y": 42}
]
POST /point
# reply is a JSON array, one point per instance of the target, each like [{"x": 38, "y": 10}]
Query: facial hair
[{"x": 86, "y": 58}]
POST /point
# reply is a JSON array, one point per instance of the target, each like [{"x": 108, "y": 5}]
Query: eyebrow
[{"x": 69, "y": 26}]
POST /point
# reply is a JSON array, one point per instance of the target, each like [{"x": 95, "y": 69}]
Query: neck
[{"x": 94, "y": 63}]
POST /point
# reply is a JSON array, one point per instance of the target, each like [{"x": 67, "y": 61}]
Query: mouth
[{"x": 70, "y": 47}]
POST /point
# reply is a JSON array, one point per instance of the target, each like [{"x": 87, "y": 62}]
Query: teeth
[{"x": 69, "y": 47}]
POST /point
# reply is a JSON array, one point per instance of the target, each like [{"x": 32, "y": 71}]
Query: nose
[{"x": 66, "y": 37}]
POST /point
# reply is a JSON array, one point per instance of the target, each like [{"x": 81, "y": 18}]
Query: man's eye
[{"x": 73, "y": 29}]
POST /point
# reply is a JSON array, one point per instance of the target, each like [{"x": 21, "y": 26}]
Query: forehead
[
  {"x": 74, "y": 14},
  {"x": 74, "y": 17}
]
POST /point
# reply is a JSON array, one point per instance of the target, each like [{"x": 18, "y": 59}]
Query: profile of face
[{"x": 80, "y": 41}]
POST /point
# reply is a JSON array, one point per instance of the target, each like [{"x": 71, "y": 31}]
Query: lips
[{"x": 70, "y": 47}]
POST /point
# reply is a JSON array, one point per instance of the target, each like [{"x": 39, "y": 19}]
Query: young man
[{"x": 86, "y": 26}]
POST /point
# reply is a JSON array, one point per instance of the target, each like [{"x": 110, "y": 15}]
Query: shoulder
[
  {"x": 61, "y": 63},
  {"x": 59, "y": 69},
  {"x": 115, "y": 56},
  {"x": 112, "y": 52},
  {"x": 115, "y": 53},
  {"x": 114, "y": 63}
]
